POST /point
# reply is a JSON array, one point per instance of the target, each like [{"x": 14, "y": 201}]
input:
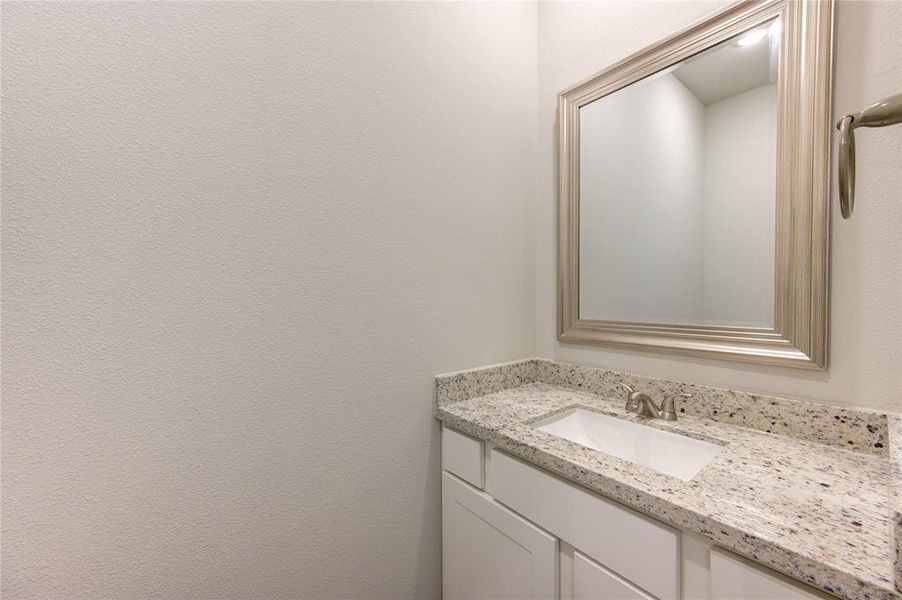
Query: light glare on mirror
[
  {"x": 752, "y": 37},
  {"x": 756, "y": 35}
]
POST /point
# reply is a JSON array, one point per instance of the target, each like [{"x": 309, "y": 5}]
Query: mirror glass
[{"x": 677, "y": 191}]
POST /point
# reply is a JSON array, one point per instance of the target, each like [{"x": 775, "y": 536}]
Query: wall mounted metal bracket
[{"x": 880, "y": 114}]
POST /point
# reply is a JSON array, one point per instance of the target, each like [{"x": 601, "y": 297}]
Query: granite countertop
[{"x": 817, "y": 511}]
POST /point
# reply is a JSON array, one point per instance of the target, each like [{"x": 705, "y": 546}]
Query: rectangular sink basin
[{"x": 663, "y": 451}]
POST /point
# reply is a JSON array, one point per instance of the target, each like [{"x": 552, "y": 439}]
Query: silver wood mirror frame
[{"x": 799, "y": 335}]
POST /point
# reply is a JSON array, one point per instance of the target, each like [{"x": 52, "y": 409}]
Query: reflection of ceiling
[{"x": 728, "y": 70}]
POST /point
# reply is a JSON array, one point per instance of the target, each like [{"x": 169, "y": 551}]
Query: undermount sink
[{"x": 665, "y": 452}]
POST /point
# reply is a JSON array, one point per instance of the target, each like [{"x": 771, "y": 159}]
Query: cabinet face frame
[{"x": 799, "y": 335}]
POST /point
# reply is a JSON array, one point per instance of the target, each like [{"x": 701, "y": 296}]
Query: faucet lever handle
[
  {"x": 668, "y": 411},
  {"x": 630, "y": 392}
]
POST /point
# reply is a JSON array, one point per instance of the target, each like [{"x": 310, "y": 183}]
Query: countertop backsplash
[{"x": 853, "y": 429}]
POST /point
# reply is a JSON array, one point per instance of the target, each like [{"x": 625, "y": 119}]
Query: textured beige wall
[
  {"x": 239, "y": 239},
  {"x": 577, "y": 39}
]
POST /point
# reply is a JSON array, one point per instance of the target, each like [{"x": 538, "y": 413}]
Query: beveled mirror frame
[{"x": 799, "y": 335}]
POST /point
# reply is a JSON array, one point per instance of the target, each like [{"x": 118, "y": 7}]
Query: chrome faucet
[{"x": 643, "y": 405}]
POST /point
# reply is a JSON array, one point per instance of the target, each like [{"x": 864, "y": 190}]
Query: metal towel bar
[{"x": 880, "y": 114}]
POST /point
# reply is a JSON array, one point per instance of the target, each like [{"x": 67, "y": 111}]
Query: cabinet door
[
  {"x": 584, "y": 579},
  {"x": 490, "y": 552},
  {"x": 735, "y": 577}
]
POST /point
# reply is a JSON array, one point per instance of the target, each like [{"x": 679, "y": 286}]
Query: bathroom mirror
[{"x": 693, "y": 191}]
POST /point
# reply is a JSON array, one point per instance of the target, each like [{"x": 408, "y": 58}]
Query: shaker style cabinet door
[
  {"x": 490, "y": 552},
  {"x": 735, "y": 577},
  {"x": 584, "y": 579}
]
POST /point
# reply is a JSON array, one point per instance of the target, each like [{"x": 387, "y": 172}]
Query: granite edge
[{"x": 895, "y": 493}]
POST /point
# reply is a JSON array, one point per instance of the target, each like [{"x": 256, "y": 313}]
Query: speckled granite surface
[
  {"x": 895, "y": 438},
  {"x": 820, "y": 513},
  {"x": 461, "y": 385},
  {"x": 849, "y": 428}
]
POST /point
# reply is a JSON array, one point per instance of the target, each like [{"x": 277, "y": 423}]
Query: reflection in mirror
[{"x": 677, "y": 184}]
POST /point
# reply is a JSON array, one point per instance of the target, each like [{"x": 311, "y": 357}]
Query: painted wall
[
  {"x": 578, "y": 39},
  {"x": 739, "y": 228},
  {"x": 239, "y": 240},
  {"x": 644, "y": 142}
]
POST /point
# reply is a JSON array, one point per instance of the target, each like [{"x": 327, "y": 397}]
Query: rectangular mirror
[{"x": 694, "y": 191}]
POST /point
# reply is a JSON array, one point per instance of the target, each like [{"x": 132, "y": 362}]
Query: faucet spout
[{"x": 644, "y": 406}]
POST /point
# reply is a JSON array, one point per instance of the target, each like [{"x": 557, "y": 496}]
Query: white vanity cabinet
[
  {"x": 488, "y": 551},
  {"x": 512, "y": 530}
]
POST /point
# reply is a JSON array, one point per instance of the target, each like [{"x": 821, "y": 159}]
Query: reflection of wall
[
  {"x": 642, "y": 143},
  {"x": 739, "y": 194},
  {"x": 677, "y": 211}
]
